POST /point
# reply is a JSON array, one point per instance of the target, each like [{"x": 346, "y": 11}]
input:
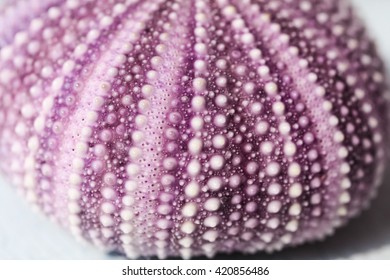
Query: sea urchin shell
[{"x": 180, "y": 127}]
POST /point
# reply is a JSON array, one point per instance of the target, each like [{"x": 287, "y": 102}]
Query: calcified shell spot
[{"x": 185, "y": 128}]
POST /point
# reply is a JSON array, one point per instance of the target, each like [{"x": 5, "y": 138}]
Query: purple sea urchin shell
[{"x": 191, "y": 127}]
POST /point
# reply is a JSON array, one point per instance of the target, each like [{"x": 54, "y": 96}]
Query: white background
[{"x": 27, "y": 235}]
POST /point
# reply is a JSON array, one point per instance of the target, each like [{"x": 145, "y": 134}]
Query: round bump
[
  {"x": 215, "y": 183},
  {"x": 194, "y": 168},
  {"x": 261, "y": 127},
  {"x": 148, "y": 90},
  {"x": 220, "y": 120},
  {"x": 189, "y": 210},
  {"x": 219, "y": 141},
  {"x": 126, "y": 215},
  {"x": 266, "y": 147},
  {"x": 132, "y": 169},
  {"x": 271, "y": 88},
  {"x": 192, "y": 189},
  {"x": 217, "y": 162},
  {"x": 273, "y": 169},
  {"x": 295, "y": 209},
  {"x": 211, "y": 221},
  {"x": 135, "y": 153},
  {"x": 199, "y": 84},
  {"x": 210, "y": 235},
  {"x": 274, "y": 189},
  {"x": 195, "y": 146},
  {"x": 170, "y": 163},
  {"x": 278, "y": 108},
  {"x": 212, "y": 204},
  {"x": 197, "y": 123},
  {"x": 274, "y": 206},
  {"x": 188, "y": 227},
  {"x": 292, "y": 226},
  {"x": 294, "y": 170},
  {"x": 198, "y": 103},
  {"x": 221, "y": 101},
  {"x": 295, "y": 190}
]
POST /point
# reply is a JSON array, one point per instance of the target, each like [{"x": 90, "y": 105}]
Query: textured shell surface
[{"x": 192, "y": 127}]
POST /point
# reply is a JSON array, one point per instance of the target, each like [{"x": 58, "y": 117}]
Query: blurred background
[{"x": 28, "y": 235}]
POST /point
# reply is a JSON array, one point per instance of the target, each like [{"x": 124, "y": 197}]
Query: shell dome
[{"x": 186, "y": 128}]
